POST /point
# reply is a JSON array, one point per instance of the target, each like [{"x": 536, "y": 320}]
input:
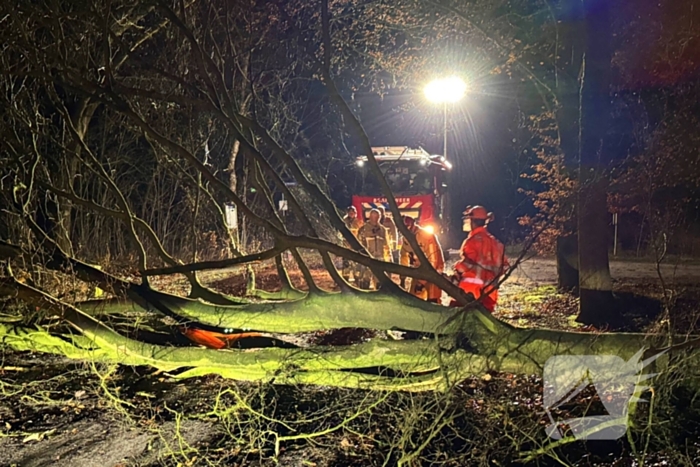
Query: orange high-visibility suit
[
  {"x": 212, "y": 339},
  {"x": 483, "y": 262},
  {"x": 430, "y": 246}
]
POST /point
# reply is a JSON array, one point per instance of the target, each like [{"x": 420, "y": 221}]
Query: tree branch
[
  {"x": 431, "y": 274},
  {"x": 218, "y": 264}
]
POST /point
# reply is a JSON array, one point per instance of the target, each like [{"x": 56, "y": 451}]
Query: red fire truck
[{"x": 417, "y": 180}]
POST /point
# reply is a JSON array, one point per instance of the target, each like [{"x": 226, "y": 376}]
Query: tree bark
[
  {"x": 233, "y": 185},
  {"x": 567, "y": 262},
  {"x": 80, "y": 117},
  {"x": 473, "y": 345},
  {"x": 571, "y": 26},
  {"x": 597, "y": 306}
]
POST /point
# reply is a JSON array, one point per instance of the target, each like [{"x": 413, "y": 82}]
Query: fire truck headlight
[
  {"x": 430, "y": 229},
  {"x": 360, "y": 163}
]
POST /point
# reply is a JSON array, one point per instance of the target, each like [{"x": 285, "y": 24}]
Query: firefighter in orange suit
[
  {"x": 483, "y": 258},
  {"x": 430, "y": 246}
]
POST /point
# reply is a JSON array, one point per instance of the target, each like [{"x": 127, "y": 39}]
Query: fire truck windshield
[{"x": 410, "y": 177}]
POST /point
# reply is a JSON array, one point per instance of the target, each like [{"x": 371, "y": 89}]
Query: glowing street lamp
[{"x": 445, "y": 91}]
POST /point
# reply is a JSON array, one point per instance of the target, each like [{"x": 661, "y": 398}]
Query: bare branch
[
  {"x": 219, "y": 264},
  {"x": 350, "y": 117}
]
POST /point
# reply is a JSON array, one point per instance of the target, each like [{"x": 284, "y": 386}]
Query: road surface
[{"x": 544, "y": 271}]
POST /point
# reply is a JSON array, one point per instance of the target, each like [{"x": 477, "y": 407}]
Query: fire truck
[{"x": 417, "y": 180}]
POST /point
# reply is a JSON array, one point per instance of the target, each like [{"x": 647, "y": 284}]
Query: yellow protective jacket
[
  {"x": 393, "y": 235},
  {"x": 374, "y": 238},
  {"x": 353, "y": 224}
]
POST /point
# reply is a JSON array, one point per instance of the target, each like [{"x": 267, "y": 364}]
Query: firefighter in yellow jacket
[
  {"x": 392, "y": 232},
  {"x": 373, "y": 236},
  {"x": 430, "y": 246},
  {"x": 353, "y": 223}
]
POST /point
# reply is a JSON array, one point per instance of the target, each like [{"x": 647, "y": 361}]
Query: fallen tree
[
  {"x": 177, "y": 115},
  {"x": 466, "y": 339},
  {"x": 473, "y": 343}
]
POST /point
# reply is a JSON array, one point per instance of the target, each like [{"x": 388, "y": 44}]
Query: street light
[{"x": 445, "y": 91}]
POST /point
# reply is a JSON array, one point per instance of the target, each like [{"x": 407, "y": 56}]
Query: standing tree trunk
[
  {"x": 595, "y": 284},
  {"x": 234, "y": 238},
  {"x": 232, "y": 180},
  {"x": 80, "y": 119},
  {"x": 569, "y": 60},
  {"x": 64, "y": 208},
  {"x": 567, "y": 262}
]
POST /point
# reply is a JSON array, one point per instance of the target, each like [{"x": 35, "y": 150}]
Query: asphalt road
[
  {"x": 544, "y": 271},
  {"x": 534, "y": 271}
]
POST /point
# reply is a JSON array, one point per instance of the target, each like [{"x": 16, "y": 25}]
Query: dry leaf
[{"x": 37, "y": 436}]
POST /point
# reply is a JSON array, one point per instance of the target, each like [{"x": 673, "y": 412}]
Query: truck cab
[{"x": 417, "y": 181}]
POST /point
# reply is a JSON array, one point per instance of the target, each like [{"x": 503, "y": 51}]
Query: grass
[
  {"x": 538, "y": 306},
  {"x": 526, "y": 301}
]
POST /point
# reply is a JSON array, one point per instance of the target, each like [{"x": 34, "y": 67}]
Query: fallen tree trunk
[{"x": 472, "y": 344}]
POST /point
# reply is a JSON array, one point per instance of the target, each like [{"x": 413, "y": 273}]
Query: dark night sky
[
  {"x": 479, "y": 142},
  {"x": 483, "y": 124}
]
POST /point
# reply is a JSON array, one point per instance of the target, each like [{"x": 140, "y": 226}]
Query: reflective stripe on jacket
[
  {"x": 483, "y": 262},
  {"x": 483, "y": 256},
  {"x": 374, "y": 238},
  {"x": 392, "y": 232}
]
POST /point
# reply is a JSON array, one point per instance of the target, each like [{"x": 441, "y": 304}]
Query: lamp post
[{"x": 445, "y": 91}]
